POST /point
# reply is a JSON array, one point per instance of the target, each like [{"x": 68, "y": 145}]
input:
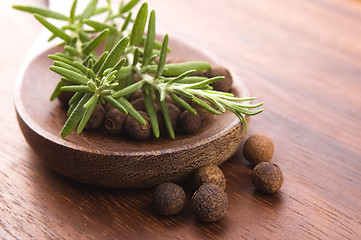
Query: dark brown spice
[
  {"x": 210, "y": 203},
  {"x": 168, "y": 199},
  {"x": 108, "y": 107},
  {"x": 189, "y": 122},
  {"x": 136, "y": 130},
  {"x": 139, "y": 104},
  {"x": 258, "y": 148},
  {"x": 96, "y": 119},
  {"x": 267, "y": 177},
  {"x": 223, "y": 85},
  {"x": 114, "y": 121},
  {"x": 210, "y": 174}
]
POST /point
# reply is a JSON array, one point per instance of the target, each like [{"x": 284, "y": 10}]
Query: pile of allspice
[{"x": 209, "y": 202}]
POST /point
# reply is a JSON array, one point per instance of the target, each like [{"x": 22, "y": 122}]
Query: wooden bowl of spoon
[{"x": 112, "y": 161}]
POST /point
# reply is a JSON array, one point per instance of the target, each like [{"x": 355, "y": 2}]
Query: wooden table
[{"x": 302, "y": 58}]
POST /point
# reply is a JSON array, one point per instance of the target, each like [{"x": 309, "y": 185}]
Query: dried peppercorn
[
  {"x": 258, "y": 148},
  {"x": 114, "y": 121},
  {"x": 96, "y": 119},
  {"x": 224, "y": 85},
  {"x": 168, "y": 199},
  {"x": 189, "y": 122},
  {"x": 210, "y": 174},
  {"x": 136, "y": 130},
  {"x": 210, "y": 203},
  {"x": 267, "y": 177},
  {"x": 139, "y": 104}
]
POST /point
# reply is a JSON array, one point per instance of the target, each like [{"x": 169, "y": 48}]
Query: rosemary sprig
[{"x": 96, "y": 78}]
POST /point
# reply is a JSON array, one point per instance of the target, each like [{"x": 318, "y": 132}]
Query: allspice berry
[
  {"x": 136, "y": 130},
  {"x": 168, "y": 199},
  {"x": 267, "y": 177},
  {"x": 97, "y": 117},
  {"x": 210, "y": 203},
  {"x": 224, "y": 85},
  {"x": 210, "y": 174},
  {"x": 114, "y": 121},
  {"x": 189, "y": 122},
  {"x": 139, "y": 104},
  {"x": 258, "y": 148}
]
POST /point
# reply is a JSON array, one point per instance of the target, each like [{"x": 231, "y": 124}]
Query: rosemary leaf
[
  {"x": 93, "y": 100},
  {"x": 52, "y": 28},
  {"x": 100, "y": 10},
  {"x": 162, "y": 58},
  {"x": 109, "y": 42},
  {"x": 66, "y": 66},
  {"x": 151, "y": 112},
  {"x": 75, "y": 116},
  {"x": 90, "y": 73},
  {"x": 183, "y": 93},
  {"x": 89, "y": 10},
  {"x": 128, "y": 6},
  {"x": 175, "y": 69},
  {"x": 128, "y": 90},
  {"x": 98, "y": 26},
  {"x": 119, "y": 65},
  {"x": 131, "y": 111},
  {"x": 124, "y": 72},
  {"x": 57, "y": 90},
  {"x": 166, "y": 117},
  {"x": 205, "y": 106},
  {"x": 126, "y": 22},
  {"x": 205, "y": 82},
  {"x": 72, "y": 51},
  {"x": 81, "y": 67},
  {"x": 75, "y": 98},
  {"x": 86, "y": 116},
  {"x": 216, "y": 104},
  {"x": 157, "y": 44},
  {"x": 116, "y": 104},
  {"x": 84, "y": 37},
  {"x": 242, "y": 119},
  {"x": 114, "y": 55},
  {"x": 191, "y": 79},
  {"x": 182, "y": 103},
  {"x": 72, "y": 11},
  {"x": 100, "y": 61},
  {"x": 70, "y": 109},
  {"x": 52, "y": 37},
  {"x": 180, "y": 77},
  {"x": 76, "y": 88},
  {"x": 41, "y": 11},
  {"x": 71, "y": 75},
  {"x": 135, "y": 56},
  {"x": 149, "y": 42},
  {"x": 139, "y": 24},
  {"x": 95, "y": 42}
]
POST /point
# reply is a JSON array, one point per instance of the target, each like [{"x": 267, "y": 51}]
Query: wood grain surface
[{"x": 301, "y": 57}]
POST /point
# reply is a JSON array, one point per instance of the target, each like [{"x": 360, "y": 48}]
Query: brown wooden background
[{"x": 302, "y": 58}]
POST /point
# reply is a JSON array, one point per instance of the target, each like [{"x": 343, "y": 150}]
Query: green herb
[{"x": 108, "y": 76}]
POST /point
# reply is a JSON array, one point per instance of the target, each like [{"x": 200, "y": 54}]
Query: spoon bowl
[{"x": 113, "y": 161}]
